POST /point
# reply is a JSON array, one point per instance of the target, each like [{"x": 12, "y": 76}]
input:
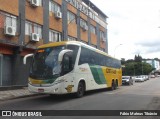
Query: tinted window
[
  {"x": 75, "y": 52},
  {"x": 94, "y": 58}
]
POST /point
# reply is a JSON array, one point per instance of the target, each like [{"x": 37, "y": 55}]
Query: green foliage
[
  {"x": 123, "y": 61},
  {"x": 138, "y": 58},
  {"x": 136, "y": 67}
]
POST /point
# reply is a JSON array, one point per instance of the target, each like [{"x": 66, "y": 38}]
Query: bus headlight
[{"x": 61, "y": 80}]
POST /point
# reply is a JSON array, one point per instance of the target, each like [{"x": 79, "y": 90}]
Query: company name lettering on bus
[{"x": 112, "y": 71}]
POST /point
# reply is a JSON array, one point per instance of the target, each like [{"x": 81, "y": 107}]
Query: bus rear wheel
[
  {"x": 116, "y": 84},
  {"x": 113, "y": 86},
  {"x": 80, "y": 90}
]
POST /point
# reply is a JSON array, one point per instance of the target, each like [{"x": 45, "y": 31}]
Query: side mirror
[
  {"x": 61, "y": 54},
  {"x": 25, "y": 58}
]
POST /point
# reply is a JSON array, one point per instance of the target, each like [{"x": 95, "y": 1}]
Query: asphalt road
[{"x": 140, "y": 96}]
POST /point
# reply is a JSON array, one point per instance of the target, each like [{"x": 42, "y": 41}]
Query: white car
[
  {"x": 127, "y": 80},
  {"x": 144, "y": 76},
  {"x": 139, "y": 79},
  {"x": 152, "y": 76}
]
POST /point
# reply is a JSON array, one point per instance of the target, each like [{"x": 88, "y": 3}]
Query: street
[{"x": 140, "y": 96}]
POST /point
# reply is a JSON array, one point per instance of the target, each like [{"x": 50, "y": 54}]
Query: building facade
[
  {"x": 26, "y": 24},
  {"x": 154, "y": 63}
]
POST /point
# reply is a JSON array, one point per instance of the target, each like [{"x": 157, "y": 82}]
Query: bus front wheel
[{"x": 80, "y": 90}]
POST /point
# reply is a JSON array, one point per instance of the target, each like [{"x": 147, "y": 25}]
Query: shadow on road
[{"x": 66, "y": 97}]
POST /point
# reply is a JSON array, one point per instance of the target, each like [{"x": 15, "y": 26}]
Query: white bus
[{"x": 72, "y": 67}]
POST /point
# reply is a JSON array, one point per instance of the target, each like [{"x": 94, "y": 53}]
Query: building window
[
  {"x": 54, "y": 7},
  {"x": 8, "y": 20},
  {"x": 11, "y": 21},
  {"x": 33, "y": 28},
  {"x": 54, "y": 36},
  {"x": 102, "y": 35},
  {"x": 70, "y": 38},
  {"x": 93, "y": 29},
  {"x": 71, "y": 17},
  {"x": 83, "y": 23}
]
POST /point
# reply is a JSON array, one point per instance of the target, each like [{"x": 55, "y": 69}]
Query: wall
[{"x": 11, "y": 6}]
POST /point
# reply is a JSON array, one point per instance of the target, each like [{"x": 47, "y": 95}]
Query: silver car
[
  {"x": 139, "y": 79},
  {"x": 127, "y": 80}
]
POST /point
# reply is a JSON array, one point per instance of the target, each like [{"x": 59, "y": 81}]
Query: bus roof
[{"x": 74, "y": 43}]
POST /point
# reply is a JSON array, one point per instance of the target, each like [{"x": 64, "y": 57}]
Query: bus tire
[
  {"x": 81, "y": 89},
  {"x": 116, "y": 84},
  {"x": 113, "y": 85}
]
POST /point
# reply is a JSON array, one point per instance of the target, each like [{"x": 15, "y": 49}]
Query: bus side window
[
  {"x": 84, "y": 56},
  {"x": 91, "y": 57}
]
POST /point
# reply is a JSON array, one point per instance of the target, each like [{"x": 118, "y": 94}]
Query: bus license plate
[{"x": 40, "y": 90}]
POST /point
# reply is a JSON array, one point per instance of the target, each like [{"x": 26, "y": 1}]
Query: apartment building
[
  {"x": 26, "y": 24},
  {"x": 154, "y": 63}
]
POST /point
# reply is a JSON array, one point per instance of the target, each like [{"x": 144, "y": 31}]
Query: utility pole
[{"x": 142, "y": 68}]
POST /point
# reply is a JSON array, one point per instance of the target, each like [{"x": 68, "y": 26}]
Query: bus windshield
[{"x": 45, "y": 63}]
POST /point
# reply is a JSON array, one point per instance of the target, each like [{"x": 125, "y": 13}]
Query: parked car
[
  {"x": 152, "y": 76},
  {"x": 127, "y": 80},
  {"x": 145, "y": 77},
  {"x": 139, "y": 79}
]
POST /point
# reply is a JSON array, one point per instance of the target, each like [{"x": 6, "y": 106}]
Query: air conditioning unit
[
  {"x": 10, "y": 30},
  {"x": 34, "y": 3},
  {"x": 103, "y": 39},
  {"x": 58, "y": 15},
  {"x": 35, "y": 37},
  {"x": 85, "y": 27}
]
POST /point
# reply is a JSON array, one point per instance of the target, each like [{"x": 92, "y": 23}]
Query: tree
[
  {"x": 147, "y": 68},
  {"x": 129, "y": 69},
  {"x": 123, "y": 61},
  {"x": 136, "y": 67},
  {"x": 130, "y": 61},
  {"x": 138, "y": 58}
]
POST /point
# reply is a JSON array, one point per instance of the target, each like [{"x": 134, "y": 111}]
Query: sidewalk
[{"x": 15, "y": 93}]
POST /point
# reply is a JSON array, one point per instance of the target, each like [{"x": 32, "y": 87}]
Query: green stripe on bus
[
  {"x": 98, "y": 74},
  {"x": 48, "y": 81},
  {"x": 101, "y": 75}
]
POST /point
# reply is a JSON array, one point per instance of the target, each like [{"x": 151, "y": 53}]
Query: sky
[{"x": 133, "y": 27}]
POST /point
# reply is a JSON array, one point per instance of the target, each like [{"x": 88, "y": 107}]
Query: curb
[
  {"x": 5, "y": 88},
  {"x": 17, "y": 97}
]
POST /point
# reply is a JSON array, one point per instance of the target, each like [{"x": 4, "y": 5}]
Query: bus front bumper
[{"x": 55, "y": 89}]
